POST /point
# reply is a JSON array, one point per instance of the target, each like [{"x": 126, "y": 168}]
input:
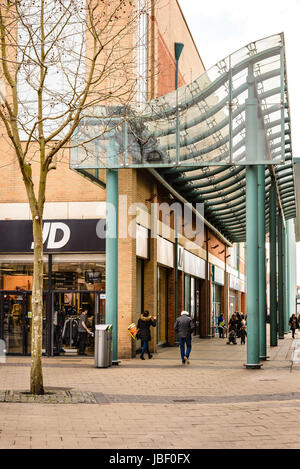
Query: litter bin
[{"x": 103, "y": 345}]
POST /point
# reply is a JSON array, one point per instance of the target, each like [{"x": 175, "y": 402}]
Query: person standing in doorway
[
  {"x": 83, "y": 331},
  {"x": 184, "y": 327},
  {"x": 221, "y": 325},
  {"x": 144, "y": 323}
]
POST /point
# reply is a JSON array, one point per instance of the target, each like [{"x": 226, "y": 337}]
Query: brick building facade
[{"x": 146, "y": 280}]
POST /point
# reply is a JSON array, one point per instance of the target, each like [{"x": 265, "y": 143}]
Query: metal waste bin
[{"x": 103, "y": 345}]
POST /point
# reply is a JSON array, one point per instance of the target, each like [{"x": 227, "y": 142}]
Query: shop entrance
[
  {"x": 61, "y": 311},
  {"x": 66, "y": 308},
  {"x": 15, "y": 321}
]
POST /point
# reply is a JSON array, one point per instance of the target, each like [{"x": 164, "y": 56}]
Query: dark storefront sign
[
  {"x": 58, "y": 236},
  {"x": 66, "y": 280}
]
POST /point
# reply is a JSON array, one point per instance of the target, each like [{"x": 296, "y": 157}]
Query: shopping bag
[{"x": 133, "y": 331}]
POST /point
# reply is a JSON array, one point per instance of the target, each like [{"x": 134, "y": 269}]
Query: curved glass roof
[
  {"x": 200, "y": 124},
  {"x": 196, "y": 136}
]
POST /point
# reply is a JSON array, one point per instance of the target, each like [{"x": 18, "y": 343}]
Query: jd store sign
[{"x": 58, "y": 236}]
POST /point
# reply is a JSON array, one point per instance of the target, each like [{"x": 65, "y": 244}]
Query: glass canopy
[{"x": 200, "y": 124}]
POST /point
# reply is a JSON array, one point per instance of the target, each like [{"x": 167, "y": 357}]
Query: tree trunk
[{"x": 36, "y": 375}]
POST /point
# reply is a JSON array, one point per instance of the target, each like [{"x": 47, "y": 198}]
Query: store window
[
  {"x": 233, "y": 259},
  {"x": 162, "y": 305},
  {"x": 139, "y": 293},
  {"x": 216, "y": 307},
  {"x": 231, "y": 302},
  {"x": 187, "y": 293},
  {"x": 142, "y": 50},
  {"x": 192, "y": 300},
  {"x": 69, "y": 287}
]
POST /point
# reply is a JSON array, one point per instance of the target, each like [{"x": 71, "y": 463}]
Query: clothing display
[{"x": 70, "y": 332}]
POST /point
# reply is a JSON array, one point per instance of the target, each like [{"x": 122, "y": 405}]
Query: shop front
[
  {"x": 232, "y": 302},
  {"x": 236, "y": 294},
  {"x": 217, "y": 297},
  {"x": 165, "y": 260},
  {"x": 194, "y": 279},
  {"x": 74, "y": 280},
  {"x": 142, "y": 256}
]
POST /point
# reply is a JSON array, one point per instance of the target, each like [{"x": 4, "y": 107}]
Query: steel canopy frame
[
  {"x": 208, "y": 162},
  {"x": 216, "y": 140},
  {"x": 209, "y": 115}
]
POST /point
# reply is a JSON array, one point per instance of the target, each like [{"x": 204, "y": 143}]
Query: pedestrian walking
[
  {"x": 144, "y": 323},
  {"x": 232, "y": 329},
  {"x": 83, "y": 331},
  {"x": 243, "y": 332},
  {"x": 293, "y": 323},
  {"x": 184, "y": 327},
  {"x": 238, "y": 324},
  {"x": 233, "y": 322},
  {"x": 221, "y": 325}
]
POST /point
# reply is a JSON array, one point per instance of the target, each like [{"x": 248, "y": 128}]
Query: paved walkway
[{"x": 213, "y": 403}]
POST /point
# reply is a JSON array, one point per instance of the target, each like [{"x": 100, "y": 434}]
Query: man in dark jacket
[
  {"x": 144, "y": 323},
  {"x": 83, "y": 331},
  {"x": 184, "y": 327}
]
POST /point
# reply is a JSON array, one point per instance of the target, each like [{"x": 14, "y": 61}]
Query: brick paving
[{"x": 213, "y": 403}]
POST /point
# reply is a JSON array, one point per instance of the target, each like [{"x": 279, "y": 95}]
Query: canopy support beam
[
  {"x": 273, "y": 267},
  {"x": 252, "y": 122}
]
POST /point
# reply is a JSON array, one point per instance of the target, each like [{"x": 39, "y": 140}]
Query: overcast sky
[{"x": 220, "y": 27}]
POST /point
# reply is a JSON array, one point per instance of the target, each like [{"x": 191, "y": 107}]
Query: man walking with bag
[{"x": 184, "y": 327}]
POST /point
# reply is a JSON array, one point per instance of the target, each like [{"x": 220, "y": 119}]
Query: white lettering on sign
[{"x": 50, "y": 232}]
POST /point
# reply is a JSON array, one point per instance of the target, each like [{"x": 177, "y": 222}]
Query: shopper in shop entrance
[
  {"x": 221, "y": 325},
  {"x": 83, "y": 331},
  {"x": 184, "y": 327},
  {"x": 144, "y": 323}
]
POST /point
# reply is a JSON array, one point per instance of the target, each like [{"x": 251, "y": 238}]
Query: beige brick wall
[
  {"x": 127, "y": 271},
  {"x": 63, "y": 184}
]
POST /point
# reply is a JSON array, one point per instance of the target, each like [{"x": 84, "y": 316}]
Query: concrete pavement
[{"x": 212, "y": 403}]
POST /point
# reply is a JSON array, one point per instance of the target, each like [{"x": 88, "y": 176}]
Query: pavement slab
[{"x": 213, "y": 403}]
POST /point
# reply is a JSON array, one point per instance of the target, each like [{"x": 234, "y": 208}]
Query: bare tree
[{"x": 62, "y": 63}]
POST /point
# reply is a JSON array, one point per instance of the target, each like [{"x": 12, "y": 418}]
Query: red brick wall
[{"x": 166, "y": 68}]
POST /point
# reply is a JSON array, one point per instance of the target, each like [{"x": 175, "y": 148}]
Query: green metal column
[
  {"x": 111, "y": 305},
  {"x": 207, "y": 284},
  {"x": 252, "y": 268},
  {"x": 273, "y": 268},
  {"x": 280, "y": 278},
  {"x": 178, "y": 50},
  {"x": 285, "y": 290},
  {"x": 288, "y": 283},
  {"x": 262, "y": 264},
  {"x": 252, "y": 225}
]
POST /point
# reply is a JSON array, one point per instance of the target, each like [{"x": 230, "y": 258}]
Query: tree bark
[{"x": 36, "y": 375}]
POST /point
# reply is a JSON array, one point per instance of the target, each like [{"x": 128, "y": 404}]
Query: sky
[{"x": 220, "y": 27}]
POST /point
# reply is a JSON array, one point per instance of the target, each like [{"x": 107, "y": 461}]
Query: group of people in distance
[
  {"x": 184, "y": 327},
  {"x": 236, "y": 328}
]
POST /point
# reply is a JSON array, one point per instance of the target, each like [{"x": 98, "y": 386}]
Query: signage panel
[{"x": 58, "y": 236}]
